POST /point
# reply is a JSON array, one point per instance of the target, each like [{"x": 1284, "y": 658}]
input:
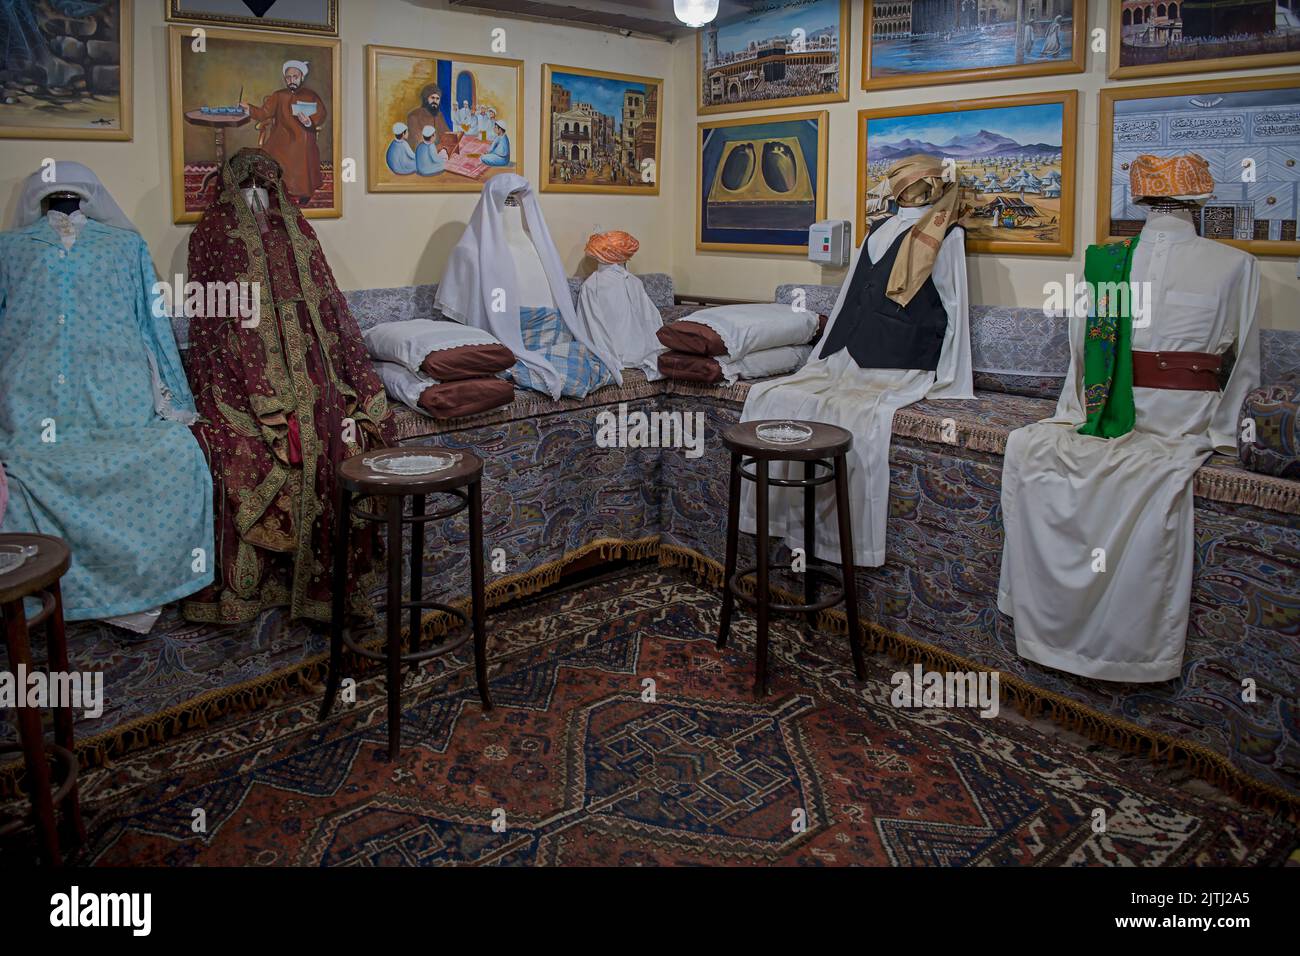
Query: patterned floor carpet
[{"x": 585, "y": 762}]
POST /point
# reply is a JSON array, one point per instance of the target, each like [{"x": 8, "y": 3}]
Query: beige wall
[
  {"x": 382, "y": 239},
  {"x": 994, "y": 279}
]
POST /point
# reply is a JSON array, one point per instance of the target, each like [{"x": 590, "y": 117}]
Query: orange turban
[
  {"x": 1176, "y": 177},
  {"x": 612, "y": 248}
]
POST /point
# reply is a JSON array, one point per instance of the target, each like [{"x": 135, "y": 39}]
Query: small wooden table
[
  {"x": 461, "y": 480},
  {"x": 825, "y": 448},
  {"x": 38, "y": 577}
]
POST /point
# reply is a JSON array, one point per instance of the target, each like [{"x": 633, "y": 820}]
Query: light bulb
[{"x": 695, "y": 13}]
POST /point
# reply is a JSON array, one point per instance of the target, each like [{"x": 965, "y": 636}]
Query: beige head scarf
[{"x": 918, "y": 181}]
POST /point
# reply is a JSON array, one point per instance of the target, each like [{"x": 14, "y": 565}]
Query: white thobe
[
  {"x": 1098, "y": 559},
  {"x": 616, "y": 308},
  {"x": 863, "y": 400}
]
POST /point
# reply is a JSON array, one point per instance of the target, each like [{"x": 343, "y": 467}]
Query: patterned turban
[
  {"x": 1174, "y": 177},
  {"x": 612, "y": 248}
]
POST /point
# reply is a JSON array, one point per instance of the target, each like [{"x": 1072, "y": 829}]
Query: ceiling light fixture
[{"x": 695, "y": 13}]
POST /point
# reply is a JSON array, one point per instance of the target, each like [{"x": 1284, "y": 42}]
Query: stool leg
[
  {"x": 32, "y": 737},
  {"x": 58, "y": 648},
  {"x": 394, "y": 615},
  {"x": 417, "y": 569},
  {"x": 733, "y": 540},
  {"x": 846, "y": 564},
  {"x": 760, "y": 591},
  {"x": 339, "y": 597},
  {"x": 479, "y": 610},
  {"x": 809, "y": 540}
]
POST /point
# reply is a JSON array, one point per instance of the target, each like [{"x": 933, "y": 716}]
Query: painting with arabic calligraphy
[{"x": 1248, "y": 131}]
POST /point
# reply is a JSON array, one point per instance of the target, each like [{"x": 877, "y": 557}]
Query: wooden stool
[
  {"x": 824, "y": 447},
  {"x": 461, "y": 479},
  {"x": 38, "y": 577}
]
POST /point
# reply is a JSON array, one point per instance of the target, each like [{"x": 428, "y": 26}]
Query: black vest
[{"x": 880, "y": 333}]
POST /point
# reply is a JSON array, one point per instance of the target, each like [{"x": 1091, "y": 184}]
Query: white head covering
[
  {"x": 481, "y": 264},
  {"x": 399, "y": 129},
  {"x": 427, "y": 132},
  {"x": 69, "y": 177},
  {"x": 299, "y": 65}
]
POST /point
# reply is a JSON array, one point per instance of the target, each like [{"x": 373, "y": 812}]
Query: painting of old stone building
[
  {"x": 1161, "y": 39},
  {"x": 65, "y": 69}
]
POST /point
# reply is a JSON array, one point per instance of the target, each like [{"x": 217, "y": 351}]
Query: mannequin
[
  {"x": 1097, "y": 500},
  {"x": 614, "y": 303},
  {"x": 835, "y": 387}
]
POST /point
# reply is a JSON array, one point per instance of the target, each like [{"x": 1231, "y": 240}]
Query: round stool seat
[
  {"x": 826, "y": 441},
  {"x": 38, "y": 572},
  {"x": 360, "y": 476}
]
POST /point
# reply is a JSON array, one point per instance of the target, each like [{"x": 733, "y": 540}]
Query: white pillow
[
  {"x": 765, "y": 362},
  {"x": 754, "y": 326},
  {"x": 408, "y": 343},
  {"x": 403, "y": 384}
]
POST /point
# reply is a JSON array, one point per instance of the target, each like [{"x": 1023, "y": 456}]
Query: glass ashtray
[
  {"x": 784, "y": 433},
  {"x": 14, "y": 556},
  {"x": 408, "y": 465}
]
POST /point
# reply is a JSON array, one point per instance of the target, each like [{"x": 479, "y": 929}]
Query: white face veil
[
  {"x": 481, "y": 274},
  {"x": 68, "y": 177}
]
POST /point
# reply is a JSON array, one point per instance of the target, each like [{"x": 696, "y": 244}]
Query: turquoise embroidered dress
[{"x": 92, "y": 402}]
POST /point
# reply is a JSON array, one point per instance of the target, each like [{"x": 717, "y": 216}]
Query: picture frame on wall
[
  {"x": 1173, "y": 38},
  {"x": 247, "y": 88},
  {"x": 785, "y": 53},
  {"x": 67, "y": 78},
  {"x": 760, "y": 182},
  {"x": 320, "y": 17},
  {"x": 924, "y": 44},
  {"x": 1247, "y": 129},
  {"x": 1014, "y": 156},
  {"x": 471, "y": 107},
  {"x": 601, "y": 132}
]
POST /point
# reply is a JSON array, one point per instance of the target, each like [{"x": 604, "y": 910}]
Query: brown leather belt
[{"x": 1189, "y": 371}]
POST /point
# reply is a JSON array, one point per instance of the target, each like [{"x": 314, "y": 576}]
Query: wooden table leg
[
  {"x": 339, "y": 596},
  {"x": 478, "y": 597},
  {"x": 847, "y": 566},
  {"x": 733, "y": 540},
  {"x": 761, "y": 585},
  {"x": 809, "y": 540},
  {"x": 417, "y": 569},
  {"x": 32, "y": 737},
  {"x": 394, "y": 615},
  {"x": 57, "y": 639}
]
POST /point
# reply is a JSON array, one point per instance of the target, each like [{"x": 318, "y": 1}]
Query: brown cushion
[
  {"x": 690, "y": 368},
  {"x": 467, "y": 361},
  {"x": 468, "y": 396},
  {"x": 692, "y": 338}
]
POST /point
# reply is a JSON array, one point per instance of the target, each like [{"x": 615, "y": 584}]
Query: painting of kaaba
[
  {"x": 762, "y": 182},
  {"x": 1247, "y": 130},
  {"x": 1197, "y": 36}
]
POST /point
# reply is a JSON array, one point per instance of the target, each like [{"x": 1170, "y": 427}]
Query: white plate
[
  {"x": 409, "y": 465},
  {"x": 784, "y": 433}
]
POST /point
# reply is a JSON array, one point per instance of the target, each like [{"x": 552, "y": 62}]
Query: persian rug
[{"x": 622, "y": 736}]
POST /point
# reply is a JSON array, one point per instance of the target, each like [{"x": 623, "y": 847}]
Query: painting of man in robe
[
  {"x": 232, "y": 89},
  {"x": 441, "y": 122},
  {"x": 65, "y": 69}
]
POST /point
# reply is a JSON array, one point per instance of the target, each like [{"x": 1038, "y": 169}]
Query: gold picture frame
[
  {"x": 1204, "y": 92},
  {"x": 265, "y": 50},
  {"x": 548, "y": 158},
  {"x": 1250, "y": 61},
  {"x": 840, "y": 95},
  {"x": 124, "y": 132},
  {"x": 1076, "y": 64},
  {"x": 779, "y": 129},
  {"x": 176, "y": 14},
  {"x": 382, "y": 178},
  {"x": 976, "y": 242}
]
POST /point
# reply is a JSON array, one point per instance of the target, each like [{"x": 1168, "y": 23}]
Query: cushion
[
  {"x": 706, "y": 370},
  {"x": 754, "y": 326},
  {"x": 691, "y": 338},
  {"x": 443, "y": 399},
  {"x": 413, "y": 342},
  {"x": 1275, "y": 410},
  {"x": 689, "y": 367},
  {"x": 467, "y": 361}
]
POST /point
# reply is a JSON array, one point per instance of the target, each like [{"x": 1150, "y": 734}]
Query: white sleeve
[
  {"x": 953, "y": 378},
  {"x": 1246, "y": 371},
  {"x": 1069, "y": 407}
]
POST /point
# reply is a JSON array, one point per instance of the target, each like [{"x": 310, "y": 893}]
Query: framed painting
[
  {"x": 1163, "y": 39},
  {"x": 1247, "y": 129},
  {"x": 782, "y": 53},
  {"x": 292, "y": 16},
  {"x": 760, "y": 182},
  {"x": 927, "y": 43},
  {"x": 601, "y": 132},
  {"x": 243, "y": 88},
  {"x": 441, "y": 122},
  {"x": 1014, "y": 157},
  {"x": 65, "y": 77}
]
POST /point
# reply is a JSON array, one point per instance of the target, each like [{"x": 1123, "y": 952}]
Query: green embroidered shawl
[{"x": 1108, "y": 343}]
